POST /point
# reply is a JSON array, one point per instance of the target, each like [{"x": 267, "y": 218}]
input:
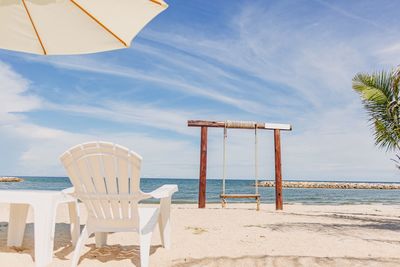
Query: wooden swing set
[{"x": 239, "y": 125}]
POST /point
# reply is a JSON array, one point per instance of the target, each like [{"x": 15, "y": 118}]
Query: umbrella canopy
[{"x": 61, "y": 27}]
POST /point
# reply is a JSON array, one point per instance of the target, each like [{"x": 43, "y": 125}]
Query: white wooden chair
[{"x": 106, "y": 178}]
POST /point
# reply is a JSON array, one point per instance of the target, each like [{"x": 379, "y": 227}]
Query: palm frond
[{"x": 379, "y": 93}]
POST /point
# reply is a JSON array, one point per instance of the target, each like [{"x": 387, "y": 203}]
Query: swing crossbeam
[
  {"x": 240, "y": 125},
  {"x": 256, "y": 197}
]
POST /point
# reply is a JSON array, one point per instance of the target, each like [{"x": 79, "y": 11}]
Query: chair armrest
[
  {"x": 164, "y": 191},
  {"x": 69, "y": 191}
]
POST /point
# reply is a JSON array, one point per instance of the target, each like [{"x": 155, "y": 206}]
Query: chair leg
[
  {"x": 75, "y": 226},
  {"x": 45, "y": 218},
  {"x": 164, "y": 222},
  {"x": 16, "y": 225},
  {"x": 145, "y": 240},
  {"x": 101, "y": 239},
  {"x": 79, "y": 245}
]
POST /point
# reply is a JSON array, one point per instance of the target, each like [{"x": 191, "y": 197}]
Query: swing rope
[
  {"x": 224, "y": 160},
  {"x": 256, "y": 156},
  {"x": 238, "y": 124}
]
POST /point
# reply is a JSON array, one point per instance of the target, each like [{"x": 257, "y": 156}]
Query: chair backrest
[{"x": 106, "y": 178}]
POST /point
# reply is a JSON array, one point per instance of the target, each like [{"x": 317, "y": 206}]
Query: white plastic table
[{"x": 44, "y": 204}]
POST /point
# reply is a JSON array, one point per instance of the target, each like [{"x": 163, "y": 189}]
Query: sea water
[{"x": 188, "y": 191}]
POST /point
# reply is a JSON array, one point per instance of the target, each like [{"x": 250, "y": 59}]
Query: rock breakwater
[
  {"x": 6, "y": 179},
  {"x": 332, "y": 185}
]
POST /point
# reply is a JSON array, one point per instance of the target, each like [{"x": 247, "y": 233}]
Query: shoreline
[
  {"x": 189, "y": 191},
  {"x": 350, "y": 180},
  {"x": 327, "y": 203}
]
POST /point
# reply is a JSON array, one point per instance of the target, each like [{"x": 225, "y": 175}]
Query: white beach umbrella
[{"x": 65, "y": 27}]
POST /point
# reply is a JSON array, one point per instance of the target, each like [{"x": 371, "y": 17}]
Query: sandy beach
[{"x": 301, "y": 235}]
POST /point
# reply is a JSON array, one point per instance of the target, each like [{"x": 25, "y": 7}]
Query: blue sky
[{"x": 273, "y": 61}]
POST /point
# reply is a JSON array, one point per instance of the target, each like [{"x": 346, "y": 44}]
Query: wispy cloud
[
  {"x": 131, "y": 114},
  {"x": 31, "y": 149},
  {"x": 315, "y": 65},
  {"x": 14, "y": 95},
  {"x": 173, "y": 83},
  {"x": 388, "y": 53},
  {"x": 349, "y": 14}
]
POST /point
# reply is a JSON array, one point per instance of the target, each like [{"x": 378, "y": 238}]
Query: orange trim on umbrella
[
  {"x": 155, "y": 1},
  {"x": 98, "y": 22},
  {"x": 34, "y": 27}
]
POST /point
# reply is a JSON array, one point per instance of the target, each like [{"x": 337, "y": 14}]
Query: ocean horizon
[{"x": 188, "y": 190}]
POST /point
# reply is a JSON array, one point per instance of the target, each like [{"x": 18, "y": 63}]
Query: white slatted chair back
[{"x": 106, "y": 178}]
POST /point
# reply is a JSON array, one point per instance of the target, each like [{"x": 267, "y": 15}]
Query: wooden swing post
[
  {"x": 203, "y": 168},
  {"x": 239, "y": 125},
  {"x": 278, "y": 170}
]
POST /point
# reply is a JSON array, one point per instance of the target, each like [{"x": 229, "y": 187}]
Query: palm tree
[{"x": 379, "y": 93}]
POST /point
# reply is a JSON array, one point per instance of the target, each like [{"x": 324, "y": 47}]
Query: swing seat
[{"x": 256, "y": 197}]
